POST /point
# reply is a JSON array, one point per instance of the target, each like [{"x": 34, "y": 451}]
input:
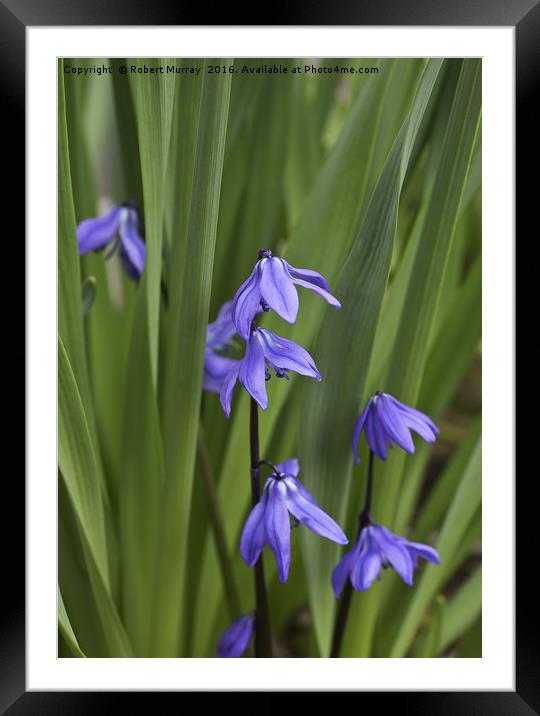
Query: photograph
[{"x": 269, "y": 357}]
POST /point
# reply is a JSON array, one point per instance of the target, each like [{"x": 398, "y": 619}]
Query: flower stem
[
  {"x": 216, "y": 521},
  {"x": 345, "y": 601},
  {"x": 263, "y": 644}
]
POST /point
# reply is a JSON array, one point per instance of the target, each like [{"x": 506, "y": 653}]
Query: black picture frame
[{"x": 524, "y": 15}]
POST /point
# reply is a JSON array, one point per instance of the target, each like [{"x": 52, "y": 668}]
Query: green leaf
[
  {"x": 139, "y": 490},
  {"x": 462, "y": 509},
  {"x": 153, "y": 97},
  {"x": 66, "y": 629},
  {"x": 430, "y": 644},
  {"x": 77, "y": 460},
  {"x": 182, "y": 393},
  {"x": 462, "y": 610}
]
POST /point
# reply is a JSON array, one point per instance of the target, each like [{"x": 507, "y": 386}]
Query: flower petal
[
  {"x": 358, "y": 427},
  {"x": 227, "y": 388},
  {"x": 287, "y": 355},
  {"x": 409, "y": 411},
  {"x": 277, "y": 289},
  {"x": 253, "y": 537},
  {"x": 235, "y": 639},
  {"x": 222, "y": 328},
  {"x": 417, "y": 421},
  {"x": 417, "y": 549},
  {"x": 393, "y": 424},
  {"x": 94, "y": 234},
  {"x": 310, "y": 514},
  {"x": 342, "y": 570},
  {"x": 376, "y": 437},
  {"x": 278, "y": 528},
  {"x": 320, "y": 291},
  {"x": 395, "y": 552},
  {"x": 368, "y": 563},
  {"x": 289, "y": 467},
  {"x": 252, "y": 372},
  {"x": 132, "y": 246},
  {"x": 216, "y": 369},
  {"x": 246, "y": 303},
  {"x": 308, "y": 275}
]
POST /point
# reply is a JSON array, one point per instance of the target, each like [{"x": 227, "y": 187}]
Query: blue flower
[
  {"x": 271, "y": 285},
  {"x": 386, "y": 422},
  {"x": 264, "y": 348},
  {"x": 121, "y": 228},
  {"x": 269, "y": 522},
  {"x": 377, "y": 547},
  {"x": 235, "y": 639},
  {"x": 216, "y": 366}
]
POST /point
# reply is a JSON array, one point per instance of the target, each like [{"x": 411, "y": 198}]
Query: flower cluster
[{"x": 271, "y": 286}]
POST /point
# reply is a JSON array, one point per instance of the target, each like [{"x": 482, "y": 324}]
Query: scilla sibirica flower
[
  {"x": 235, "y": 639},
  {"x": 387, "y": 422},
  {"x": 269, "y": 521},
  {"x": 377, "y": 547},
  {"x": 216, "y": 366},
  {"x": 121, "y": 229},
  {"x": 264, "y": 350},
  {"x": 271, "y": 285}
]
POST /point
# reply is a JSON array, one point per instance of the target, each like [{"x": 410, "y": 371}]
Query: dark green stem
[{"x": 263, "y": 640}]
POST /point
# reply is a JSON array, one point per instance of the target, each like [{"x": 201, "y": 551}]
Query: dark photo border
[{"x": 15, "y": 16}]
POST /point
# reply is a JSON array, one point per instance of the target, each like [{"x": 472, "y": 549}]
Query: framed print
[{"x": 270, "y": 356}]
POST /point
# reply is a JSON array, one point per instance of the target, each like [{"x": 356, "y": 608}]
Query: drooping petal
[
  {"x": 332, "y": 300},
  {"x": 287, "y": 355},
  {"x": 133, "y": 250},
  {"x": 358, "y": 427},
  {"x": 394, "y": 551},
  {"x": 227, "y": 389},
  {"x": 216, "y": 369},
  {"x": 342, "y": 570},
  {"x": 415, "y": 420},
  {"x": 94, "y": 234},
  {"x": 308, "y": 512},
  {"x": 246, "y": 303},
  {"x": 253, "y": 537},
  {"x": 417, "y": 549},
  {"x": 278, "y": 528},
  {"x": 235, "y": 639},
  {"x": 289, "y": 467},
  {"x": 277, "y": 289},
  {"x": 222, "y": 329},
  {"x": 376, "y": 437},
  {"x": 368, "y": 564},
  {"x": 408, "y": 410},
  {"x": 252, "y": 372},
  {"x": 393, "y": 424},
  {"x": 308, "y": 275}
]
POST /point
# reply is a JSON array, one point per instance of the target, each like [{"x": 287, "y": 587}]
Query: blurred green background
[{"x": 373, "y": 179}]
